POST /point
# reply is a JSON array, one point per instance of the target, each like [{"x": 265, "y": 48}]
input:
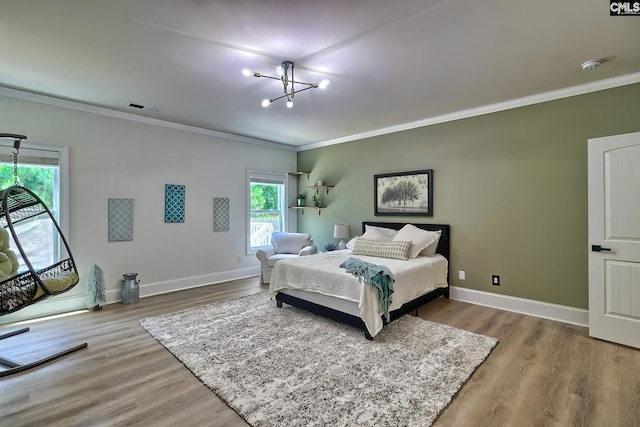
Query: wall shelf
[
  {"x": 302, "y": 208},
  {"x": 318, "y": 187},
  {"x": 298, "y": 173}
]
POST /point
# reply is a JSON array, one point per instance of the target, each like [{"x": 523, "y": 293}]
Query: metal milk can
[{"x": 130, "y": 288}]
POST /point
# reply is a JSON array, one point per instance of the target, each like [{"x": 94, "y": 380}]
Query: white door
[{"x": 614, "y": 239}]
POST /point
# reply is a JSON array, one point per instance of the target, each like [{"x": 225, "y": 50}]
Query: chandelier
[{"x": 285, "y": 75}]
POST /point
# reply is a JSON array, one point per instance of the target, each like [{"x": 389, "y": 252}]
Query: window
[
  {"x": 39, "y": 171},
  {"x": 266, "y": 207}
]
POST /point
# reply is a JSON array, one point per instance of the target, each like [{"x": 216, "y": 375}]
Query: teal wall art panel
[{"x": 174, "y": 203}]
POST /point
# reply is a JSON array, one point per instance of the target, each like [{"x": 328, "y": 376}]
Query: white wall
[{"x": 118, "y": 158}]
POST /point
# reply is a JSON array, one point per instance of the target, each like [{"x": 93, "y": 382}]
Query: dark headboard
[{"x": 443, "y": 244}]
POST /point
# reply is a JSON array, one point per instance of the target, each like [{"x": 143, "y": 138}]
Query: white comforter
[{"x": 321, "y": 273}]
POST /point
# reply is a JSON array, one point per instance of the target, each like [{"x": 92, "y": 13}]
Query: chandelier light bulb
[
  {"x": 324, "y": 83},
  {"x": 266, "y": 103},
  {"x": 289, "y": 104},
  {"x": 246, "y": 72}
]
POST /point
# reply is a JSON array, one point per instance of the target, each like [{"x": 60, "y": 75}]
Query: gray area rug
[{"x": 287, "y": 367}]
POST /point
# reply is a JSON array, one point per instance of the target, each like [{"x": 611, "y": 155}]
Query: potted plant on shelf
[{"x": 316, "y": 201}]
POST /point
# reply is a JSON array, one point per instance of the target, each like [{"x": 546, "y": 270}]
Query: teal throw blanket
[{"x": 378, "y": 276}]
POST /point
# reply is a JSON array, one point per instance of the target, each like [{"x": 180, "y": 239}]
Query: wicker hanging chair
[{"x": 20, "y": 205}]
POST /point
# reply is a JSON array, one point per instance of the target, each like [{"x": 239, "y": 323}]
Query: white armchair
[{"x": 283, "y": 246}]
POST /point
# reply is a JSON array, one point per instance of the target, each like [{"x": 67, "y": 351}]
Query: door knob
[{"x": 598, "y": 248}]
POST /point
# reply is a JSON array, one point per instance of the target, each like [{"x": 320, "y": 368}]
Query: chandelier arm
[
  {"x": 280, "y": 97},
  {"x": 302, "y": 83},
  {"x": 287, "y": 95},
  {"x": 306, "y": 88},
  {"x": 269, "y": 77},
  {"x": 291, "y": 81}
]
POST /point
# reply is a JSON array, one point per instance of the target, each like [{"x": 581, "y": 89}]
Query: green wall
[{"x": 512, "y": 185}]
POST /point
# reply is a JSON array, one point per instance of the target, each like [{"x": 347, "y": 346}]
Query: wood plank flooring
[{"x": 542, "y": 373}]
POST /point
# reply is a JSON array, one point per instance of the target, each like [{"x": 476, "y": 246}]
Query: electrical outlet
[
  {"x": 495, "y": 280},
  {"x": 461, "y": 275}
]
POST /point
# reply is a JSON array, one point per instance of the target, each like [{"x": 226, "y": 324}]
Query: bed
[{"x": 317, "y": 284}]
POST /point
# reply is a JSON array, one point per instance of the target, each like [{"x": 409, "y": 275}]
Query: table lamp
[{"x": 341, "y": 231}]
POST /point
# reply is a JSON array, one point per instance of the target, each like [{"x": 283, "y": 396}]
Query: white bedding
[{"x": 321, "y": 273}]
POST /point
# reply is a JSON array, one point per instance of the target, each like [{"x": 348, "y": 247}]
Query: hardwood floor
[{"x": 542, "y": 373}]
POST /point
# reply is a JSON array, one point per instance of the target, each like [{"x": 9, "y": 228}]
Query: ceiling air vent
[
  {"x": 591, "y": 65},
  {"x": 142, "y": 107}
]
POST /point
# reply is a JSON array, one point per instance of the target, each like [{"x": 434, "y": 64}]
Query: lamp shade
[{"x": 341, "y": 231}]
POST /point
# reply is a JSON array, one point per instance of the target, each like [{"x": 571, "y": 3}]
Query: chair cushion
[
  {"x": 290, "y": 243},
  {"x": 58, "y": 284},
  {"x": 271, "y": 261}
]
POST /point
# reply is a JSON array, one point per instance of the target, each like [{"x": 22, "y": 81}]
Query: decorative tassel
[{"x": 96, "y": 296}]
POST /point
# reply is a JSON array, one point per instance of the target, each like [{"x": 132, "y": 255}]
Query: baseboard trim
[
  {"x": 150, "y": 289},
  {"x": 65, "y": 303},
  {"x": 58, "y": 304},
  {"x": 545, "y": 310}
]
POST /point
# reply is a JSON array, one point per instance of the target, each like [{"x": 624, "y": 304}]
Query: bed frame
[{"x": 408, "y": 307}]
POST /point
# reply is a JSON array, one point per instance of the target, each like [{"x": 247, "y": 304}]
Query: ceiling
[{"x": 391, "y": 64}]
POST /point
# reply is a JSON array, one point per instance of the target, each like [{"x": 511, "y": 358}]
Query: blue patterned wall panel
[{"x": 174, "y": 203}]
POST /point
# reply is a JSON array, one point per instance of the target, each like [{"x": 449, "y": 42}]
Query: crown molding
[
  {"x": 568, "y": 92},
  {"x": 472, "y": 112},
  {"x": 87, "y": 108}
]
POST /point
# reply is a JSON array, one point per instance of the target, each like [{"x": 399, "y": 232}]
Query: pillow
[
  {"x": 419, "y": 238},
  {"x": 385, "y": 249},
  {"x": 374, "y": 233},
  {"x": 388, "y": 232},
  {"x": 351, "y": 242},
  {"x": 431, "y": 249}
]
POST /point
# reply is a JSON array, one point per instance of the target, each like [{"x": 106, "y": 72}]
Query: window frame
[
  {"x": 63, "y": 175},
  {"x": 273, "y": 175}
]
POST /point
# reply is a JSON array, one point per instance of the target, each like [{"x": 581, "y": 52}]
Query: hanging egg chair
[
  {"x": 20, "y": 286},
  {"x": 21, "y": 204}
]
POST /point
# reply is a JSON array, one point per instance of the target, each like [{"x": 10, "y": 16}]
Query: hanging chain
[
  {"x": 16, "y": 148},
  {"x": 15, "y": 163}
]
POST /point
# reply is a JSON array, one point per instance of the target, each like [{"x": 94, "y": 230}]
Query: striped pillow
[{"x": 390, "y": 249}]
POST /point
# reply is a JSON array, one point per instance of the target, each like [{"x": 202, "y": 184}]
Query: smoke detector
[{"x": 590, "y": 65}]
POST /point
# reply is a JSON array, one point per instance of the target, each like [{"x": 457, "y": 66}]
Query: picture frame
[{"x": 404, "y": 193}]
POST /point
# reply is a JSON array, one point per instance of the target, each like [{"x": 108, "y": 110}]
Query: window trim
[
  {"x": 280, "y": 176},
  {"x": 63, "y": 184}
]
